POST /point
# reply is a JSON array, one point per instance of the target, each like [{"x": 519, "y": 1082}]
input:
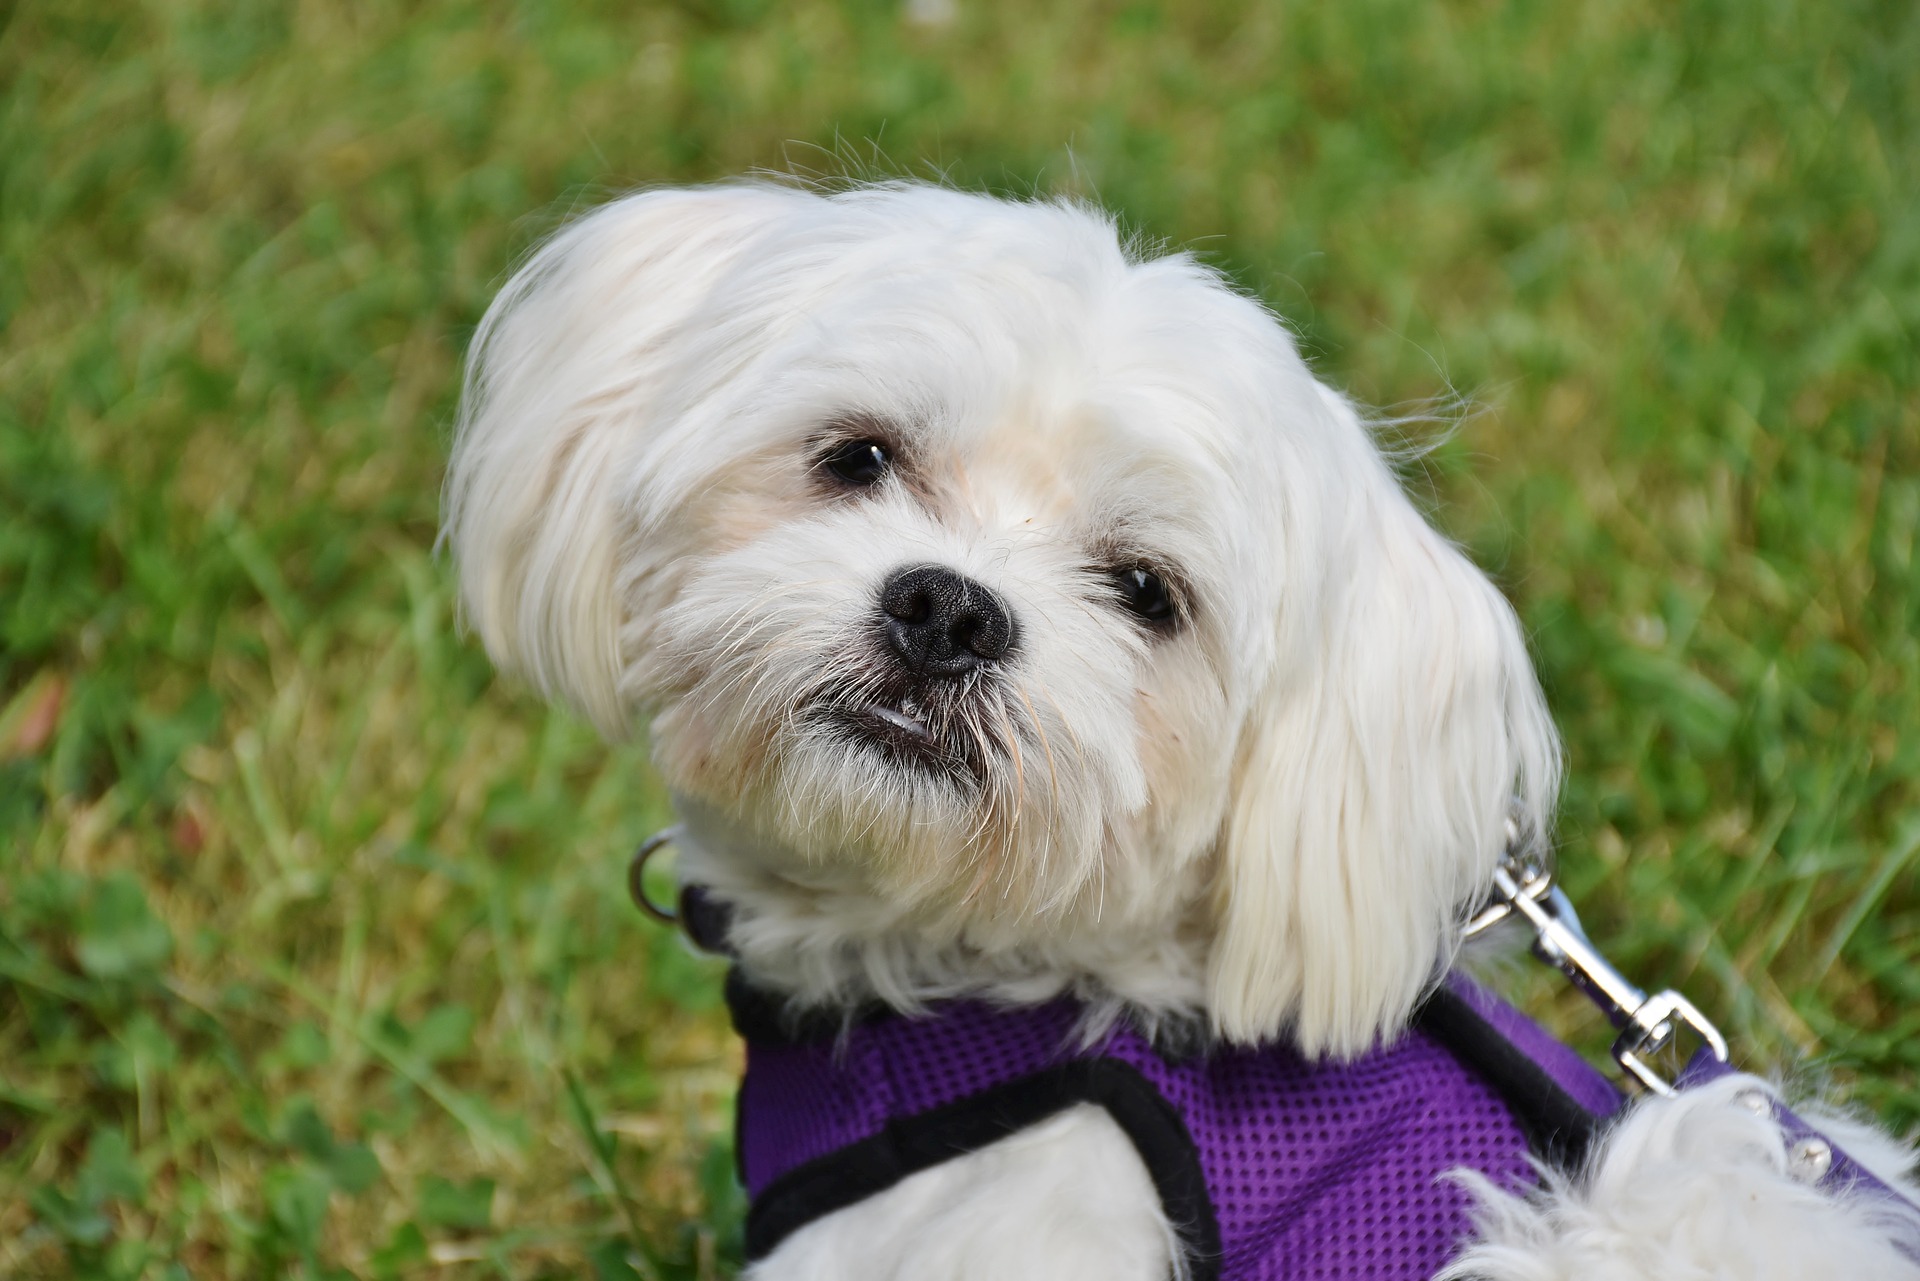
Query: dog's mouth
[
  {"x": 910, "y": 730},
  {"x": 896, "y": 725},
  {"x": 897, "y": 730}
]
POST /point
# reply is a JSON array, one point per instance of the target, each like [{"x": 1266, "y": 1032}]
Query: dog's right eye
[
  {"x": 1145, "y": 593},
  {"x": 857, "y": 462}
]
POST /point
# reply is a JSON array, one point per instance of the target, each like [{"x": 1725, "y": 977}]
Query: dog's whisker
[
  {"x": 1040, "y": 731},
  {"x": 1079, "y": 750}
]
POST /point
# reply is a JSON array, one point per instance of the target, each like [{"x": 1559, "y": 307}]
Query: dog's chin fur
[
  {"x": 819, "y": 934},
  {"x": 1264, "y": 815}
]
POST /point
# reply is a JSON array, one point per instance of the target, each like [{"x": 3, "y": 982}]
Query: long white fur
[{"x": 1270, "y": 820}]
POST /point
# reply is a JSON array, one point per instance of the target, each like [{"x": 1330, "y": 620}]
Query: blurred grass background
[{"x": 314, "y": 954}]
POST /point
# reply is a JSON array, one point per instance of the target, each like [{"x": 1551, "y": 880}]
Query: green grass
[{"x": 314, "y": 954}]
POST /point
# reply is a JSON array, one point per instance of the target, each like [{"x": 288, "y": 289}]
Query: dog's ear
[
  {"x": 1396, "y": 728},
  {"x": 563, "y": 389}
]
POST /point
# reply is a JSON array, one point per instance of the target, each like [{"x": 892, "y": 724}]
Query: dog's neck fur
[{"x": 821, "y": 937}]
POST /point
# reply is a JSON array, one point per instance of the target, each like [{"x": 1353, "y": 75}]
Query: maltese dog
[{"x": 1088, "y": 756}]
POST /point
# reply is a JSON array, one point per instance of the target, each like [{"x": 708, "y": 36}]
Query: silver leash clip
[{"x": 1523, "y": 884}]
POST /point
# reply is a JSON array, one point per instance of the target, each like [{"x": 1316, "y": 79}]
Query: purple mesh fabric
[{"x": 1316, "y": 1171}]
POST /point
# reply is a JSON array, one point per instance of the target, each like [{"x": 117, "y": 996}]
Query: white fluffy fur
[
  {"x": 1698, "y": 1188},
  {"x": 1067, "y": 1200},
  {"x": 1269, "y": 819}
]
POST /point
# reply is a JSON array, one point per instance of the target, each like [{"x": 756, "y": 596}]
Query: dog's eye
[
  {"x": 1145, "y": 593},
  {"x": 857, "y": 462}
]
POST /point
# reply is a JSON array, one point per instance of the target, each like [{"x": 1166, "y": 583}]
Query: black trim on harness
[
  {"x": 762, "y": 1017},
  {"x": 911, "y": 1144},
  {"x": 1558, "y": 1128}
]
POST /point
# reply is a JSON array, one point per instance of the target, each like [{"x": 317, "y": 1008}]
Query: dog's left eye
[
  {"x": 857, "y": 462},
  {"x": 1145, "y": 593}
]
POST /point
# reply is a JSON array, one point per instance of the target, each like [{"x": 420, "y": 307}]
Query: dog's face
[
  {"x": 960, "y": 555},
  {"x": 953, "y": 641}
]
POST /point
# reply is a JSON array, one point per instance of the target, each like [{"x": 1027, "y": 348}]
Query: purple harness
[{"x": 1269, "y": 1165}]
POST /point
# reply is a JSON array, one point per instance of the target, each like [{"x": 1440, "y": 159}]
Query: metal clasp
[
  {"x": 1523, "y": 884},
  {"x": 637, "y": 873},
  {"x": 1524, "y": 870}
]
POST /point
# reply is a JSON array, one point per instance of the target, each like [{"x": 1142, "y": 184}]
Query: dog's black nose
[{"x": 941, "y": 624}]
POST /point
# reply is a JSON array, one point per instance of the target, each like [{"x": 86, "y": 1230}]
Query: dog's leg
[
  {"x": 1066, "y": 1200},
  {"x": 1702, "y": 1186}
]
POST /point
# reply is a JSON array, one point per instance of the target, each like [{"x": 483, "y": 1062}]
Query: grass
[{"x": 314, "y": 955}]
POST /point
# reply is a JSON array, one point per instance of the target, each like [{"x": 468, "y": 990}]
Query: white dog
[{"x": 1020, "y": 622}]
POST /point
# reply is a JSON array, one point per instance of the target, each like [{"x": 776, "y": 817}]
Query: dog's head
[{"x": 952, "y": 546}]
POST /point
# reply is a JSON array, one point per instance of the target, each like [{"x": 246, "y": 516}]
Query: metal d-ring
[{"x": 637, "y": 873}]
